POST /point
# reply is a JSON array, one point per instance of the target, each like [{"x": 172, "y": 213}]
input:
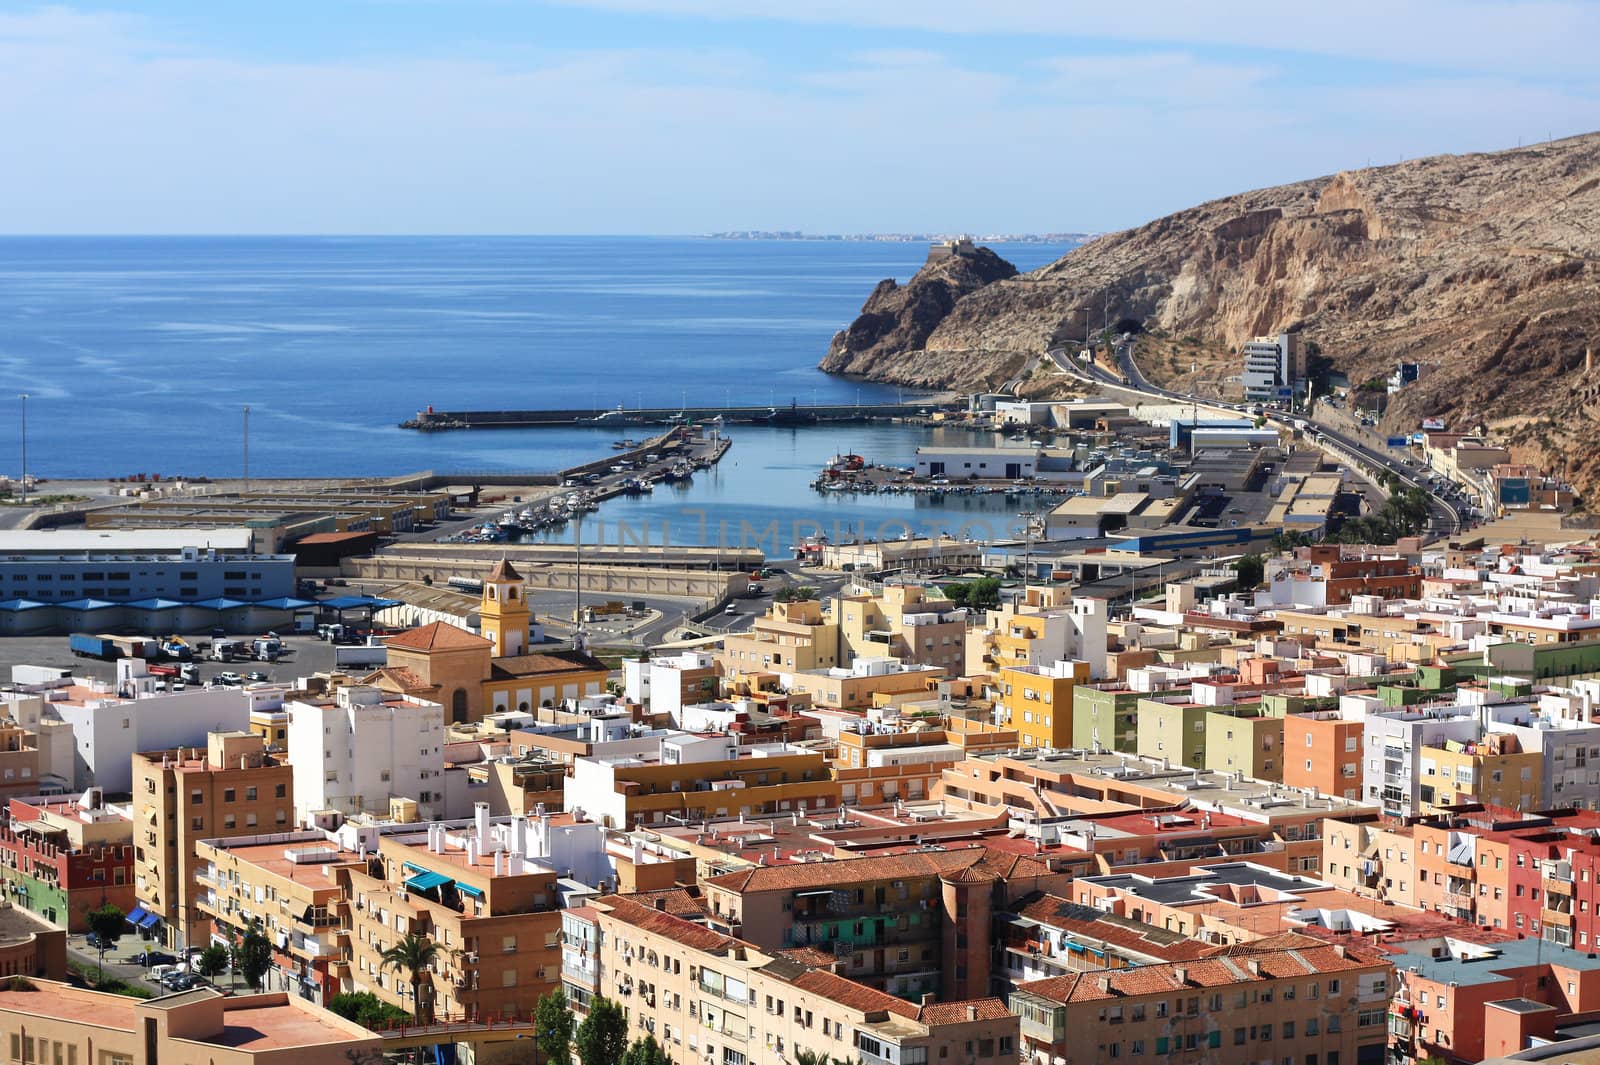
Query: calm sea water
[{"x": 139, "y": 353}]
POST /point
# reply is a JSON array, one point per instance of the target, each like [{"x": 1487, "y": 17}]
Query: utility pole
[
  {"x": 247, "y": 448},
  {"x": 579, "y": 642},
  {"x": 24, "y": 398}
]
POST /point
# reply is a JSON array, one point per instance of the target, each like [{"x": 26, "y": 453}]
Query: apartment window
[
  {"x": 508, "y": 978},
  {"x": 229, "y": 821},
  {"x": 227, "y": 794},
  {"x": 196, "y": 797},
  {"x": 277, "y": 791},
  {"x": 250, "y": 794}
]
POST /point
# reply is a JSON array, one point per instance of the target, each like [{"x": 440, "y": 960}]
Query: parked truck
[
  {"x": 267, "y": 648},
  {"x": 228, "y": 650},
  {"x": 85, "y": 646},
  {"x": 186, "y": 673},
  {"x": 135, "y": 646}
]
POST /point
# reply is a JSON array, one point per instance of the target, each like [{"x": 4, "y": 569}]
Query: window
[
  {"x": 196, "y": 797},
  {"x": 277, "y": 791}
]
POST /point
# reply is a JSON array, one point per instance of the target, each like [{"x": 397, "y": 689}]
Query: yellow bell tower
[{"x": 504, "y": 613}]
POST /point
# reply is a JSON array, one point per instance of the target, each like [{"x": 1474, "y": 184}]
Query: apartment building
[
  {"x": 865, "y": 682},
  {"x": 182, "y": 796},
  {"x": 1050, "y": 935},
  {"x": 909, "y": 924},
  {"x": 355, "y": 750},
  {"x": 291, "y": 882},
  {"x": 1322, "y": 751},
  {"x": 1037, "y": 701},
  {"x": 888, "y": 762},
  {"x": 1288, "y": 998},
  {"x": 1043, "y": 625},
  {"x": 61, "y": 858},
  {"x": 1331, "y": 575},
  {"x": 56, "y": 1022},
  {"x": 668, "y": 683},
  {"x": 491, "y": 892},
  {"x": 902, "y": 622},
  {"x": 1273, "y": 367},
  {"x": 707, "y": 996},
  {"x": 689, "y": 775},
  {"x": 1392, "y": 753},
  {"x": 795, "y": 636},
  {"x": 1461, "y": 1001},
  {"x": 1105, "y": 718}
]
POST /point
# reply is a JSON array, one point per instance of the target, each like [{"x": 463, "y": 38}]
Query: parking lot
[{"x": 303, "y": 656}]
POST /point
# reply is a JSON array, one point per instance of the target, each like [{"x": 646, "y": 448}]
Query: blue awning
[
  {"x": 156, "y": 604},
  {"x": 221, "y": 603},
  {"x": 359, "y": 602},
  {"x": 286, "y": 602},
  {"x": 136, "y": 914},
  {"x": 468, "y": 889},
  {"x": 424, "y": 881},
  {"x": 15, "y": 605},
  {"x": 87, "y": 604},
  {"x": 150, "y": 920}
]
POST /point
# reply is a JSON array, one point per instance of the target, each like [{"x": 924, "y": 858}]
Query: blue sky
[{"x": 685, "y": 116}]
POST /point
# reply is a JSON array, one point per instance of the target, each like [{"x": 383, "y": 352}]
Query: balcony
[{"x": 1556, "y": 918}]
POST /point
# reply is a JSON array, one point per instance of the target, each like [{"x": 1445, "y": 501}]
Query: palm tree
[{"x": 415, "y": 954}]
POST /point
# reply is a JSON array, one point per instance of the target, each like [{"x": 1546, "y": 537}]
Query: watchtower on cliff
[{"x": 946, "y": 249}]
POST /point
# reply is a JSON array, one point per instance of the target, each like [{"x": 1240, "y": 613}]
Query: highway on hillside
[{"x": 1444, "y": 520}]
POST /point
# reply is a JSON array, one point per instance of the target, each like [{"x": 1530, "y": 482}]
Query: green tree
[
  {"x": 603, "y": 1036},
  {"x": 415, "y": 955},
  {"x": 1250, "y": 569},
  {"x": 252, "y": 955},
  {"x": 798, "y": 594},
  {"x": 367, "y": 1010},
  {"x": 213, "y": 961},
  {"x": 645, "y": 1051},
  {"x": 552, "y": 1022},
  {"x": 107, "y": 924}
]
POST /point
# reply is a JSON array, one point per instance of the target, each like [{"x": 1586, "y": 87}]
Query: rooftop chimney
[
  {"x": 1181, "y": 975},
  {"x": 972, "y": 1012}
]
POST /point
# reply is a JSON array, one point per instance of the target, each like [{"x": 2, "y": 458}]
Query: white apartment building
[
  {"x": 659, "y": 682},
  {"x": 355, "y": 751},
  {"x": 110, "y": 723},
  {"x": 1272, "y": 365},
  {"x": 1391, "y": 750}
]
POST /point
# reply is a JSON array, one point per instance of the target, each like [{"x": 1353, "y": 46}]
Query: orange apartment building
[
  {"x": 1460, "y": 1001},
  {"x": 236, "y": 787},
  {"x": 793, "y": 636},
  {"x": 875, "y": 764},
  {"x": 1321, "y": 750},
  {"x": 910, "y": 924},
  {"x": 1289, "y": 998}
]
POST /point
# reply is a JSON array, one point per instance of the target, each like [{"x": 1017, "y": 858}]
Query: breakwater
[{"x": 794, "y": 414}]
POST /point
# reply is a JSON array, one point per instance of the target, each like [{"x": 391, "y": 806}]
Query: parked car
[
  {"x": 96, "y": 943},
  {"x": 229, "y": 677},
  {"x": 159, "y": 973},
  {"x": 153, "y": 957},
  {"x": 256, "y": 674},
  {"x": 181, "y": 981}
]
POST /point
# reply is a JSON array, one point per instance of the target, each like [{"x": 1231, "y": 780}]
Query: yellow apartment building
[
  {"x": 1244, "y": 740},
  {"x": 180, "y": 797},
  {"x": 902, "y": 622},
  {"x": 1494, "y": 770},
  {"x": 1038, "y": 701},
  {"x": 790, "y": 636},
  {"x": 293, "y": 884}
]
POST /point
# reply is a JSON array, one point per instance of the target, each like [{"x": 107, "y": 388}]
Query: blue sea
[{"x": 140, "y": 353}]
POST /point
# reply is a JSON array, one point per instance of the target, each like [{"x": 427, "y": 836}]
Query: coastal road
[{"x": 1444, "y": 518}]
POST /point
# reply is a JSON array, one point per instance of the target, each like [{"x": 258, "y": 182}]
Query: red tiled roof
[
  {"x": 1217, "y": 970},
  {"x": 504, "y": 571},
  {"x": 852, "y": 995},
  {"x": 549, "y": 663},
  {"x": 678, "y": 901},
  {"x": 648, "y": 918},
  {"x": 1057, "y": 912},
  {"x": 437, "y": 637},
  {"x": 855, "y": 870},
  {"x": 402, "y": 677},
  {"x": 986, "y": 1009}
]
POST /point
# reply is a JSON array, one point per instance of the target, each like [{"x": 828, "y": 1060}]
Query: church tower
[{"x": 504, "y": 612}]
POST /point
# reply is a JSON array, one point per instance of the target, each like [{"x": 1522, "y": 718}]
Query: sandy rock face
[{"x": 1487, "y": 266}]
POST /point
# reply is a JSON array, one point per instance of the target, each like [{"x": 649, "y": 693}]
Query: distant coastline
[{"x": 905, "y": 238}]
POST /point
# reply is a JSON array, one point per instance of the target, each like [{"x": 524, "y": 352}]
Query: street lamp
[{"x": 247, "y": 448}]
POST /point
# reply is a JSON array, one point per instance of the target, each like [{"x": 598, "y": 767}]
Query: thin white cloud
[
  {"x": 111, "y": 129},
  {"x": 1519, "y": 37}
]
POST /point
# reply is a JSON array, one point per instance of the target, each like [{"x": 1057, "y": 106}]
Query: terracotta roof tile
[
  {"x": 987, "y": 1009},
  {"x": 852, "y": 995},
  {"x": 1089, "y": 923},
  {"x": 543, "y": 663},
  {"x": 678, "y": 901},
  {"x": 1215, "y": 971},
  {"x": 504, "y": 571},
  {"x": 692, "y": 935},
  {"x": 849, "y": 871},
  {"x": 438, "y": 636}
]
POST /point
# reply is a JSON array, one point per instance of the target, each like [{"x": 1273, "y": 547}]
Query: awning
[
  {"x": 468, "y": 889},
  {"x": 156, "y": 604},
  {"x": 221, "y": 603},
  {"x": 150, "y": 920},
  {"x": 285, "y": 602},
  {"x": 13, "y": 606},
  {"x": 87, "y": 604},
  {"x": 136, "y": 914},
  {"x": 358, "y": 602},
  {"x": 424, "y": 881}
]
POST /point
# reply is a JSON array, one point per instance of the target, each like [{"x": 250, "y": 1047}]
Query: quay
[{"x": 794, "y": 414}]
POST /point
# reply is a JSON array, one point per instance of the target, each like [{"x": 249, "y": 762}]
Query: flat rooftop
[
  {"x": 117, "y": 541},
  {"x": 276, "y": 1027},
  {"x": 1213, "y": 883}
]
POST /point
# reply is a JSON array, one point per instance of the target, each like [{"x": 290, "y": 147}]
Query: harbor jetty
[{"x": 794, "y": 414}]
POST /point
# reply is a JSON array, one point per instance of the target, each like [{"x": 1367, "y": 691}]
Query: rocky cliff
[
  {"x": 1486, "y": 266},
  {"x": 898, "y": 319}
]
